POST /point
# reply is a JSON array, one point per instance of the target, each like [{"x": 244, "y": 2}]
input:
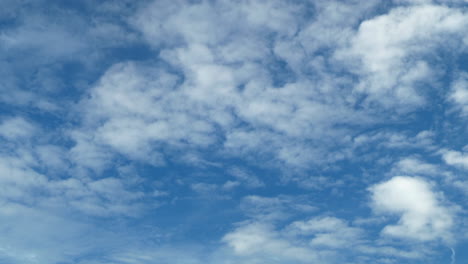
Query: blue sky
[{"x": 220, "y": 132}]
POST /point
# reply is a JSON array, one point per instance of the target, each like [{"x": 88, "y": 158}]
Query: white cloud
[
  {"x": 269, "y": 234},
  {"x": 415, "y": 166},
  {"x": 52, "y": 157},
  {"x": 292, "y": 86},
  {"x": 16, "y": 128},
  {"x": 216, "y": 90},
  {"x": 38, "y": 44},
  {"x": 459, "y": 93},
  {"x": 138, "y": 115},
  {"x": 317, "y": 239},
  {"x": 42, "y": 176},
  {"x": 328, "y": 232},
  {"x": 19, "y": 181},
  {"x": 88, "y": 154},
  {"x": 455, "y": 158},
  {"x": 261, "y": 240},
  {"x": 104, "y": 197},
  {"x": 393, "y": 47},
  {"x": 54, "y": 41},
  {"x": 422, "y": 213},
  {"x": 396, "y": 140}
]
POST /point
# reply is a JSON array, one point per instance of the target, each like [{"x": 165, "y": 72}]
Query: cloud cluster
[
  {"x": 218, "y": 85},
  {"x": 31, "y": 174},
  {"x": 269, "y": 235},
  {"x": 251, "y": 109}
]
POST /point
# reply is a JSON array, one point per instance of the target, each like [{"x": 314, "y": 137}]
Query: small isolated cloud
[
  {"x": 456, "y": 158},
  {"x": 421, "y": 211}
]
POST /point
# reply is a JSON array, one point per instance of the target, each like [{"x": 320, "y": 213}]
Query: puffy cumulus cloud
[
  {"x": 423, "y": 215},
  {"x": 456, "y": 158},
  {"x": 132, "y": 115},
  {"x": 394, "y": 51}
]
